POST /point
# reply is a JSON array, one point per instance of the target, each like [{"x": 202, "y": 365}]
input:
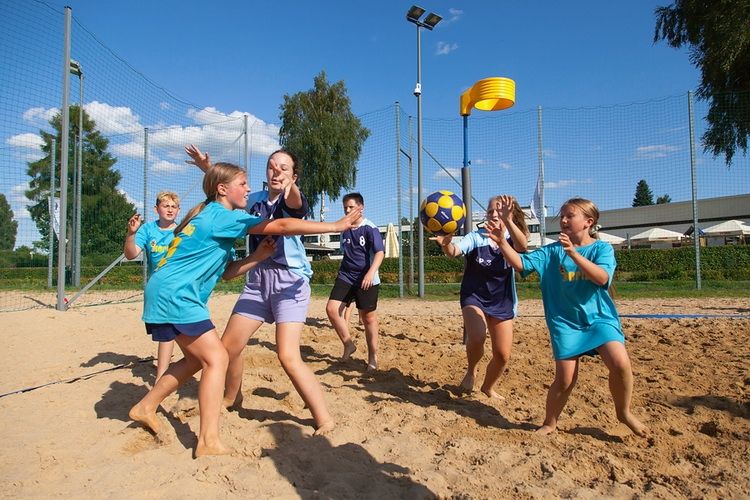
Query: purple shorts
[{"x": 273, "y": 293}]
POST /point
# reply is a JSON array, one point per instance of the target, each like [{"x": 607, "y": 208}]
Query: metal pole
[
  {"x": 79, "y": 187},
  {"x": 466, "y": 180},
  {"x": 247, "y": 173},
  {"x": 64, "y": 130},
  {"x": 51, "y": 253},
  {"x": 398, "y": 201},
  {"x": 418, "y": 92},
  {"x": 540, "y": 180},
  {"x": 693, "y": 182},
  {"x": 144, "y": 264},
  {"x": 411, "y": 208}
]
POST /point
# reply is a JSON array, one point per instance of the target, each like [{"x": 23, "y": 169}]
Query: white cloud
[
  {"x": 129, "y": 150},
  {"x": 40, "y": 115},
  {"x": 549, "y": 153},
  {"x": 138, "y": 203},
  {"x": 28, "y": 140},
  {"x": 565, "y": 183},
  {"x": 164, "y": 105},
  {"x": 168, "y": 167},
  {"x": 444, "y": 48},
  {"x": 505, "y": 166},
  {"x": 453, "y": 16},
  {"x": 113, "y": 119},
  {"x": 446, "y": 173},
  {"x": 654, "y": 151}
]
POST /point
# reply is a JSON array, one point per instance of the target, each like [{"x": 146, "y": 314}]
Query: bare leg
[
  {"x": 566, "y": 374},
  {"x": 476, "y": 330},
  {"x": 144, "y": 412},
  {"x": 304, "y": 381},
  {"x": 501, "y": 336},
  {"x": 615, "y": 357},
  {"x": 236, "y": 335},
  {"x": 163, "y": 358},
  {"x": 212, "y": 355},
  {"x": 336, "y": 311},
  {"x": 370, "y": 320}
]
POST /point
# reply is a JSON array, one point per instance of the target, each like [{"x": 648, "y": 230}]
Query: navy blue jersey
[
  {"x": 360, "y": 246},
  {"x": 489, "y": 281}
]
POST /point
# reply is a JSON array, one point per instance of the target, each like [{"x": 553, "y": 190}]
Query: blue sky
[{"x": 239, "y": 55}]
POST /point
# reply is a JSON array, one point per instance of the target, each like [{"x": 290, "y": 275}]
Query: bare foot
[
  {"x": 490, "y": 393},
  {"x": 216, "y": 448},
  {"x": 635, "y": 425},
  {"x": 146, "y": 418},
  {"x": 467, "y": 384},
  {"x": 324, "y": 428},
  {"x": 230, "y": 405},
  {"x": 349, "y": 349},
  {"x": 372, "y": 364},
  {"x": 545, "y": 430}
]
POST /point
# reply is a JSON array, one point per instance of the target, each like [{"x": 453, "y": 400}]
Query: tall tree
[
  {"x": 8, "y": 226},
  {"x": 661, "y": 200},
  {"x": 718, "y": 36},
  {"x": 104, "y": 210},
  {"x": 643, "y": 194},
  {"x": 320, "y": 128}
]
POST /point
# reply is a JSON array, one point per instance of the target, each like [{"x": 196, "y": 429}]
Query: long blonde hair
[
  {"x": 519, "y": 218},
  {"x": 219, "y": 173}
]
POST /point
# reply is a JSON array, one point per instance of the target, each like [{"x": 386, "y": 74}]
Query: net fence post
[
  {"x": 64, "y": 130},
  {"x": 694, "y": 185},
  {"x": 398, "y": 201},
  {"x": 51, "y": 253},
  {"x": 144, "y": 264}
]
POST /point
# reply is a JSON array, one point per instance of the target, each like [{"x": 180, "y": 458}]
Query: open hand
[
  {"x": 495, "y": 230},
  {"x": 134, "y": 223},
  {"x": 198, "y": 158},
  {"x": 349, "y": 221}
]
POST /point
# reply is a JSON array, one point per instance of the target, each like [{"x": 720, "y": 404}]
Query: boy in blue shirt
[
  {"x": 358, "y": 281},
  {"x": 154, "y": 239}
]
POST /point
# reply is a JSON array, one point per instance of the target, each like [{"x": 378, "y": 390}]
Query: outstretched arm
[
  {"x": 129, "y": 248},
  {"x": 447, "y": 246},
  {"x": 198, "y": 158},
  {"x": 592, "y": 271},
  {"x": 239, "y": 267},
  {"x": 291, "y": 226},
  {"x": 496, "y": 232}
]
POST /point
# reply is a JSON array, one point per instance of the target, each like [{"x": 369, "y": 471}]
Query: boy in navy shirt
[{"x": 358, "y": 281}]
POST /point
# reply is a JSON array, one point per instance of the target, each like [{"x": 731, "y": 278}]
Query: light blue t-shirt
[
  {"x": 154, "y": 241},
  {"x": 184, "y": 278},
  {"x": 580, "y": 315}
]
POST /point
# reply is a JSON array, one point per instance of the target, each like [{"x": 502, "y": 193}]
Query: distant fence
[{"x": 598, "y": 153}]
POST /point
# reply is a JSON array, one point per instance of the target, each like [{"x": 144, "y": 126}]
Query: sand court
[{"x": 404, "y": 431}]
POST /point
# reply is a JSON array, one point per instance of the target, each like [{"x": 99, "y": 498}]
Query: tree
[
  {"x": 718, "y": 37},
  {"x": 643, "y": 194},
  {"x": 104, "y": 210},
  {"x": 8, "y": 226},
  {"x": 320, "y": 128},
  {"x": 661, "y": 200}
]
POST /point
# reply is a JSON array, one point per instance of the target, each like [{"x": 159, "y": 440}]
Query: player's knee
[{"x": 288, "y": 359}]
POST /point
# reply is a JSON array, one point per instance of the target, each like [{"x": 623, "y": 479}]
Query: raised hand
[
  {"x": 506, "y": 208},
  {"x": 134, "y": 223},
  {"x": 349, "y": 221},
  {"x": 198, "y": 158},
  {"x": 567, "y": 245},
  {"x": 495, "y": 231}
]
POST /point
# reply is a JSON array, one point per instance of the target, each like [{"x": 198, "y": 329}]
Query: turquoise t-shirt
[
  {"x": 154, "y": 241},
  {"x": 580, "y": 315},
  {"x": 184, "y": 278}
]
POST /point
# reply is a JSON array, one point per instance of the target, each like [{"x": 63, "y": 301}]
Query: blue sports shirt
[
  {"x": 154, "y": 241},
  {"x": 360, "y": 244},
  {"x": 290, "y": 251},
  {"x": 184, "y": 278}
]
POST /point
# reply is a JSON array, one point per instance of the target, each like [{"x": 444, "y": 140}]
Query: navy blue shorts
[
  {"x": 164, "y": 332},
  {"x": 366, "y": 300}
]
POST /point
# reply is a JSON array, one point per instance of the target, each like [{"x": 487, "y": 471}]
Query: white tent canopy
[
  {"x": 391, "y": 241},
  {"x": 657, "y": 235},
  {"x": 610, "y": 238},
  {"x": 728, "y": 228},
  {"x": 535, "y": 238}
]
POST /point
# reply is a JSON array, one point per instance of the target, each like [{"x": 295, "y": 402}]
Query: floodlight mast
[{"x": 413, "y": 16}]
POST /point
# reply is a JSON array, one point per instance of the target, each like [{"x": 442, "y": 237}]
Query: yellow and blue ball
[{"x": 442, "y": 213}]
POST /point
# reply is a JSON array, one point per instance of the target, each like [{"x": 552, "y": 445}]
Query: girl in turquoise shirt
[
  {"x": 575, "y": 274},
  {"x": 176, "y": 296}
]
